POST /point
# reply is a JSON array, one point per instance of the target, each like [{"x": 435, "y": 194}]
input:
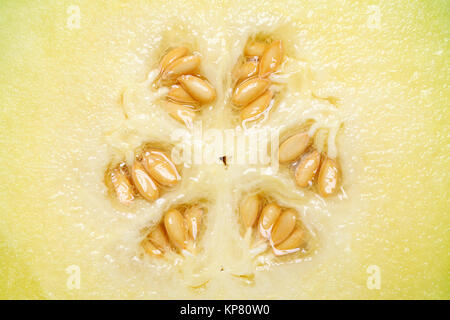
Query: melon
[{"x": 78, "y": 93}]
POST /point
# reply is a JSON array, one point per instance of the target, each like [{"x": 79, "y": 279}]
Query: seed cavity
[
  {"x": 276, "y": 225},
  {"x": 309, "y": 166},
  {"x": 179, "y": 230},
  {"x": 151, "y": 173},
  {"x": 251, "y": 93},
  {"x": 179, "y": 68}
]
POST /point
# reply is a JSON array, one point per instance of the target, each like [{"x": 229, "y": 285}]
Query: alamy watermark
[
  {"x": 74, "y": 278},
  {"x": 374, "y": 19},
  {"x": 74, "y": 18},
  {"x": 374, "y": 279},
  {"x": 257, "y": 146}
]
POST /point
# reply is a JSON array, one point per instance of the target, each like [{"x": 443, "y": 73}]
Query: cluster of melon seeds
[
  {"x": 251, "y": 93},
  {"x": 178, "y": 231},
  {"x": 275, "y": 224},
  {"x": 309, "y": 165},
  {"x": 179, "y": 69},
  {"x": 151, "y": 172}
]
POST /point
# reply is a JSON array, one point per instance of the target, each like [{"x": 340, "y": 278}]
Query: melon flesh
[{"x": 62, "y": 121}]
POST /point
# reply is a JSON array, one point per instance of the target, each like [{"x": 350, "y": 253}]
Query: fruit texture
[{"x": 71, "y": 75}]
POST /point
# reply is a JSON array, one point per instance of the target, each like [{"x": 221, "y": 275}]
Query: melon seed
[
  {"x": 246, "y": 70},
  {"x": 306, "y": 169},
  {"x": 158, "y": 237},
  {"x": 329, "y": 176},
  {"x": 171, "y": 56},
  {"x": 293, "y": 147},
  {"x": 181, "y": 112},
  {"x": 122, "y": 185},
  {"x": 144, "y": 184},
  {"x": 254, "y": 48},
  {"x": 256, "y": 108},
  {"x": 271, "y": 59},
  {"x": 160, "y": 168},
  {"x": 294, "y": 241},
  {"x": 174, "y": 224},
  {"x": 269, "y": 216},
  {"x": 150, "y": 248},
  {"x": 249, "y": 90},
  {"x": 201, "y": 90},
  {"x": 284, "y": 226},
  {"x": 249, "y": 210},
  {"x": 184, "y": 65},
  {"x": 179, "y": 95}
]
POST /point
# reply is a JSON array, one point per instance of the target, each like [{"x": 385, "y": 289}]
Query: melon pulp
[{"x": 64, "y": 69}]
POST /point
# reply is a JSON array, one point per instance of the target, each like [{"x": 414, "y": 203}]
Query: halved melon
[{"x": 370, "y": 82}]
